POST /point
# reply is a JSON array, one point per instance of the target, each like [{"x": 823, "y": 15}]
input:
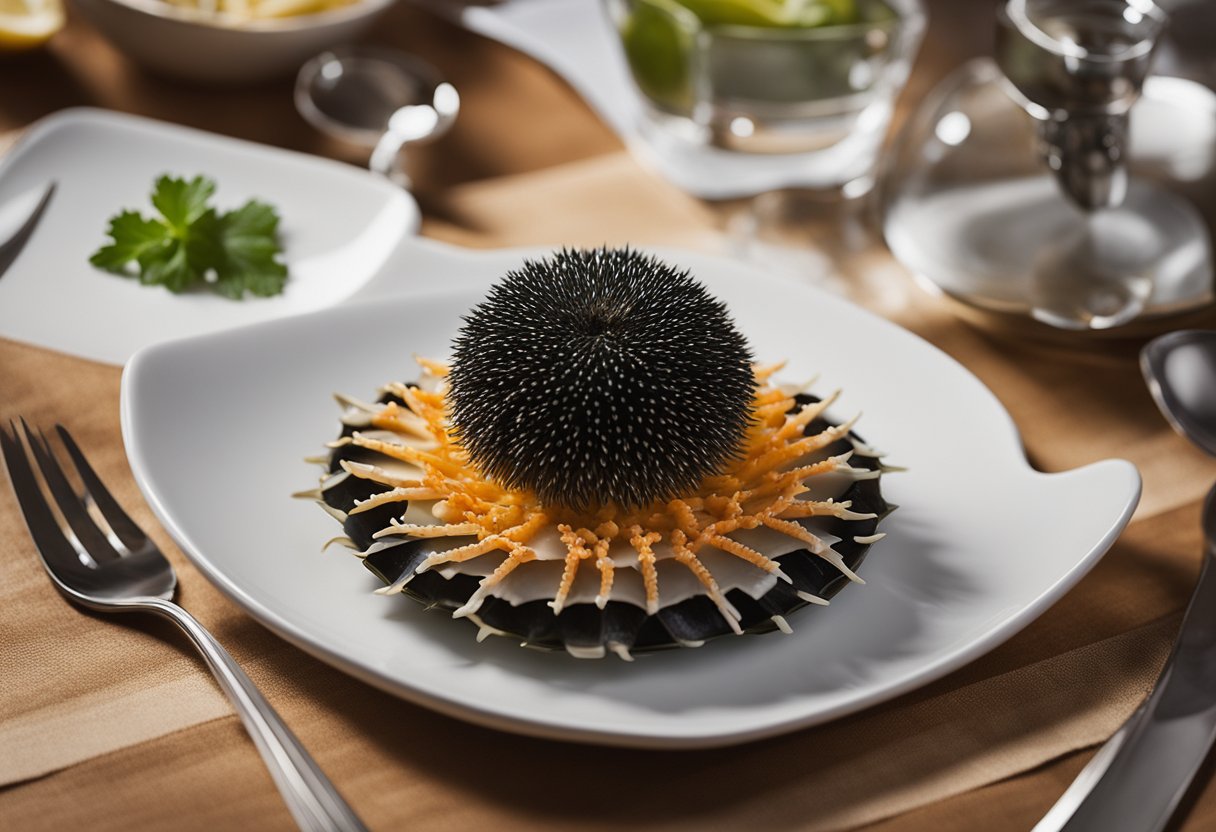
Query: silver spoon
[
  {"x": 1139, "y": 778},
  {"x": 377, "y": 99},
  {"x": 1181, "y": 372}
]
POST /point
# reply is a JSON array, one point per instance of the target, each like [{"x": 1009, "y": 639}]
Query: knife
[
  {"x": 18, "y": 219},
  {"x": 1136, "y": 781}
]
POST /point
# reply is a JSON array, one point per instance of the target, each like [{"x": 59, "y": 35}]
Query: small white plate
[
  {"x": 338, "y": 226},
  {"x": 216, "y": 428}
]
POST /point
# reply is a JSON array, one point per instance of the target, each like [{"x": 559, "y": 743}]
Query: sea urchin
[
  {"x": 603, "y": 470},
  {"x": 600, "y": 376}
]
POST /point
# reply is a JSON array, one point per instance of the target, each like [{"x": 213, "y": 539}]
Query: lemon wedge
[
  {"x": 773, "y": 13},
  {"x": 25, "y": 24}
]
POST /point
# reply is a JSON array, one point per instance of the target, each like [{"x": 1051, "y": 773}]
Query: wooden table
[{"x": 111, "y": 724}]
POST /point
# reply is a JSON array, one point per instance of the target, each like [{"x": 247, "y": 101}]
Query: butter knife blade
[
  {"x": 1137, "y": 780},
  {"x": 18, "y": 219}
]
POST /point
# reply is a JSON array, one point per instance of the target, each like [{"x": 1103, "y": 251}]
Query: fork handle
[{"x": 313, "y": 800}]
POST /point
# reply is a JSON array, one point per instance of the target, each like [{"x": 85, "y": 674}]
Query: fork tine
[
  {"x": 58, "y": 555},
  {"x": 92, "y": 538},
  {"x": 131, "y": 535}
]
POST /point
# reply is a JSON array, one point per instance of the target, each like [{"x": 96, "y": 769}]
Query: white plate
[
  {"x": 216, "y": 428},
  {"x": 338, "y": 224}
]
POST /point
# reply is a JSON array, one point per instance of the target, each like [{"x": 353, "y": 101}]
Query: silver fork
[{"x": 115, "y": 567}]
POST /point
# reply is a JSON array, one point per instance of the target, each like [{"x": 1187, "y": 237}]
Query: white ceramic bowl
[{"x": 190, "y": 44}]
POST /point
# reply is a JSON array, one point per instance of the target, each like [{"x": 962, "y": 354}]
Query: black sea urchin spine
[{"x": 599, "y": 376}]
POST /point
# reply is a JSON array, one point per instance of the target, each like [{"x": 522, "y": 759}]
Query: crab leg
[
  {"x": 576, "y": 551},
  {"x": 607, "y": 572},
  {"x": 795, "y": 425},
  {"x": 396, "y": 495},
  {"x": 377, "y": 474},
  {"x": 685, "y": 556},
  {"x": 412, "y": 530},
  {"x": 463, "y": 553},
  {"x": 642, "y": 542},
  {"x": 518, "y": 555},
  {"x": 748, "y": 554},
  {"x": 826, "y": 508},
  {"x": 407, "y": 453},
  {"x": 398, "y": 419}
]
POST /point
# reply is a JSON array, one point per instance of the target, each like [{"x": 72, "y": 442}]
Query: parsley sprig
[{"x": 234, "y": 252}]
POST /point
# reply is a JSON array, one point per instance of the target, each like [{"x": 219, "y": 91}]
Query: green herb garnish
[{"x": 234, "y": 252}]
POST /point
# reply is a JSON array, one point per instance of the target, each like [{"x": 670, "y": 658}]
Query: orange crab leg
[
  {"x": 518, "y": 556},
  {"x": 748, "y": 554},
  {"x": 685, "y": 556},
  {"x": 576, "y": 551},
  {"x": 396, "y": 527},
  {"x": 642, "y": 542},
  {"x": 463, "y": 553}
]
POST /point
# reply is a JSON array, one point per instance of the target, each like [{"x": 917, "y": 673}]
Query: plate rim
[{"x": 468, "y": 710}]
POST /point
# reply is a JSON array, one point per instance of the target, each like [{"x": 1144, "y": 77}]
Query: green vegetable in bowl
[
  {"x": 657, "y": 45},
  {"x": 753, "y": 55},
  {"x": 190, "y": 242}
]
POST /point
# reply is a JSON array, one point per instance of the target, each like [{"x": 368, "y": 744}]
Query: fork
[{"x": 115, "y": 567}]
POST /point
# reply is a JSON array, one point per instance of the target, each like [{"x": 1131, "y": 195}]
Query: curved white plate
[
  {"x": 216, "y": 428},
  {"x": 105, "y": 162}
]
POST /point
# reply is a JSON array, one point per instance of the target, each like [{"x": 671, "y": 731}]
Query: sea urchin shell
[
  {"x": 600, "y": 376},
  {"x": 787, "y": 526}
]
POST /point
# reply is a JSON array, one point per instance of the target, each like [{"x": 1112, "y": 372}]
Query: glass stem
[{"x": 1088, "y": 154}]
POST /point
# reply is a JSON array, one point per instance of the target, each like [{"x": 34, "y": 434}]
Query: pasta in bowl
[{"x": 228, "y": 41}]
